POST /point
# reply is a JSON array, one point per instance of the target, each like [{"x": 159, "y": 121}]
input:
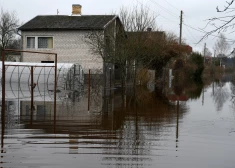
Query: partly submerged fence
[{"x": 70, "y": 78}]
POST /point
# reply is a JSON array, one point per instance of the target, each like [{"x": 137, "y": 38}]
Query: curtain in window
[
  {"x": 45, "y": 42},
  {"x": 30, "y": 42},
  {"x": 50, "y": 42}
]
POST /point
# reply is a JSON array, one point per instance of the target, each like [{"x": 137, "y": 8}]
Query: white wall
[{"x": 70, "y": 46}]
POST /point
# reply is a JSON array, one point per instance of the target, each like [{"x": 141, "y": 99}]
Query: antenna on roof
[{"x": 57, "y": 11}]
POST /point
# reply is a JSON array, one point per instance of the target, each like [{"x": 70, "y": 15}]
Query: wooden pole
[
  {"x": 55, "y": 87},
  {"x": 110, "y": 79},
  {"x": 3, "y": 99},
  {"x": 89, "y": 91},
  {"x": 204, "y": 54},
  {"x": 181, "y": 20},
  {"x": 32, "y": 96}
]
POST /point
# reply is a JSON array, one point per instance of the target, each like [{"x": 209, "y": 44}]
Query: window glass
[
  {"x": 45, "y": 42},
  {"x": 30, "y": 42}
]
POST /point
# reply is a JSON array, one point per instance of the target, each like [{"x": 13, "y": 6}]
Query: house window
[
  {"x": 45, "y": 42},
  {"x": 30, "y": 42},
  {"x": 38, "y": 42}
]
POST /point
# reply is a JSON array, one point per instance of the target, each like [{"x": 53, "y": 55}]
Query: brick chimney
[{"x": 76, "y": 10}]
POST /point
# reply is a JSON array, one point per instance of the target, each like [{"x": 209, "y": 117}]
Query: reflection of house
[
  {"x": 64, "y": 110},
  {"x": 68, "y": 37}
]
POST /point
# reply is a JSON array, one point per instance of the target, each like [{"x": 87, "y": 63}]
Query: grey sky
[{"x": 168, "y": 11}]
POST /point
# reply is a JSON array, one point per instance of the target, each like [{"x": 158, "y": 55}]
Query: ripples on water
[{"x": 157, "y": 134}]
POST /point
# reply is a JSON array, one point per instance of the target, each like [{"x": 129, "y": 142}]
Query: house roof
[
  {"x": 148, "y": 34},
  {"x": 64, "y": 22}
]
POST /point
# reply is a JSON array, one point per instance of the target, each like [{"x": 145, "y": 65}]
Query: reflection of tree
[
  {"x": 185, "y": 85},
  {"x": 128, "y": 136},
  {"x": 232, "y": 87},
  {"x": 220, "y": 95},
  {"x": 194, "y": 90},
  {"x": 149, "y": 120}
]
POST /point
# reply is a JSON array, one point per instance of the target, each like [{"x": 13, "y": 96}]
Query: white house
[{"x": 67, "y": 36}]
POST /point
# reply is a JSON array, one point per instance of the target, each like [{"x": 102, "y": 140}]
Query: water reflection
[
  {"x": 148, "y": 124},
  {"x": 220, "y": 94},
  {"x": 127, "y": 132},
  {"x": 133, "y": 127}
]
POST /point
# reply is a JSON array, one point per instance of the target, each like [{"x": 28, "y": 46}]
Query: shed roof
[{"x": 64, "y": 22}]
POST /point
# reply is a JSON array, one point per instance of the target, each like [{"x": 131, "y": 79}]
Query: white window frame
[{"x": 36, "y": 43}]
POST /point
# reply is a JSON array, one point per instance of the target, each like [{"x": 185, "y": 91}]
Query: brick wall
[{"x": 71, "y": 47}]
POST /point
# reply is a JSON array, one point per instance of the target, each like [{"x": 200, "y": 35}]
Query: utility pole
[
  {"x": 181, "y": 21},
  {"x": 214, "y": 56},
  {"x": 204, "y": 53}
]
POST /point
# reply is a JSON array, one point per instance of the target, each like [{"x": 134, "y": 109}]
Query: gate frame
[{"x": 4, "y": 81}]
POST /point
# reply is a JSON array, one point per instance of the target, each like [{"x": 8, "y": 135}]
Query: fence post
[
  {"x": 3, "y": 98},
  {"x": 55, "y": 92},
  {"x": 32, "y": 96},
  {"x": 89, "y": 91},
  {"x": 110, "y": 80}
]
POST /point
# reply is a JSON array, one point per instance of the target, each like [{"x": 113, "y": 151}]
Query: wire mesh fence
[{"x": 76, "y": 92}]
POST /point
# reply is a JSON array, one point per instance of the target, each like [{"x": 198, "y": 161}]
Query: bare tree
[
  {"x": 137, "y": 18},
  {"x": 15, "y": 44},
  {"x": 141, "y": 46},
  {"x": 8, "y": 26},
  {"x": 207, "y": 52},
  {"x": 221, "y": 23},
  {"x": 221, "y": 47}
]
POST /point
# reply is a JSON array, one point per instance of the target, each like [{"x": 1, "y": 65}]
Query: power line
[
  {"x": 190, "y": 33},
  {"x": 202, "y": 31},
  {"x": 156, "y": 12},
  {"x": 163, "y": 8},
  {"x": 166, "y": 19},
  {"x": 194, "y": 41},
  {"x": 172, "y": 5},
  {"x": 187, "y": 25}
]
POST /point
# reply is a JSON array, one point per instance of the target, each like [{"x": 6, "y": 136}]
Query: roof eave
[
  {"x": 115, "y": 17},
  {"x": 58, "y": 29}
]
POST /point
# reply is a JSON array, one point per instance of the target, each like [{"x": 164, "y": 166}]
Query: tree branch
[{"x": 226, "y": 7}]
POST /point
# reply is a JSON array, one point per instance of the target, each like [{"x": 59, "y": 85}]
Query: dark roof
[
  {"x": 147, "y": 34},
  {"x": 62, "y": 22}
]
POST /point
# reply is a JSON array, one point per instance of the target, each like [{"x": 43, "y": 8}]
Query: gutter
[
  {"x": 17, "y": 32},
  {"x": 21, "y": 45}
]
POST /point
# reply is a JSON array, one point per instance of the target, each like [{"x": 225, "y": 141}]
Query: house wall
[
  {"x": 13, "y": 57},
  {"x": 71, "y": 47}
]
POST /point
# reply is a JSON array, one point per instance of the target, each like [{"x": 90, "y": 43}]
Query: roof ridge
[
  {"x": 75, "y": 16},
  {"x": 42, "y": 22}
]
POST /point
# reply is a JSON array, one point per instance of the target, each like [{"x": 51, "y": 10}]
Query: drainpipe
[{"x": 21, "y": 44}]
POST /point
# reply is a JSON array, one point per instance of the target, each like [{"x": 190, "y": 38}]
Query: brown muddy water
[{"x": 148, "y": 131}]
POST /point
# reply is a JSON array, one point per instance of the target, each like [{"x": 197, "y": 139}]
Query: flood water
[{"x": 188, "y": 130}]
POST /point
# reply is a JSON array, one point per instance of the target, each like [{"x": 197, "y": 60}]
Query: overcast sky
[{"x": 168, "y": 11}]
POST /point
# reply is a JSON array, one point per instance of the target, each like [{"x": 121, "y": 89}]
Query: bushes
[{"x": 196, "y": 59}]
